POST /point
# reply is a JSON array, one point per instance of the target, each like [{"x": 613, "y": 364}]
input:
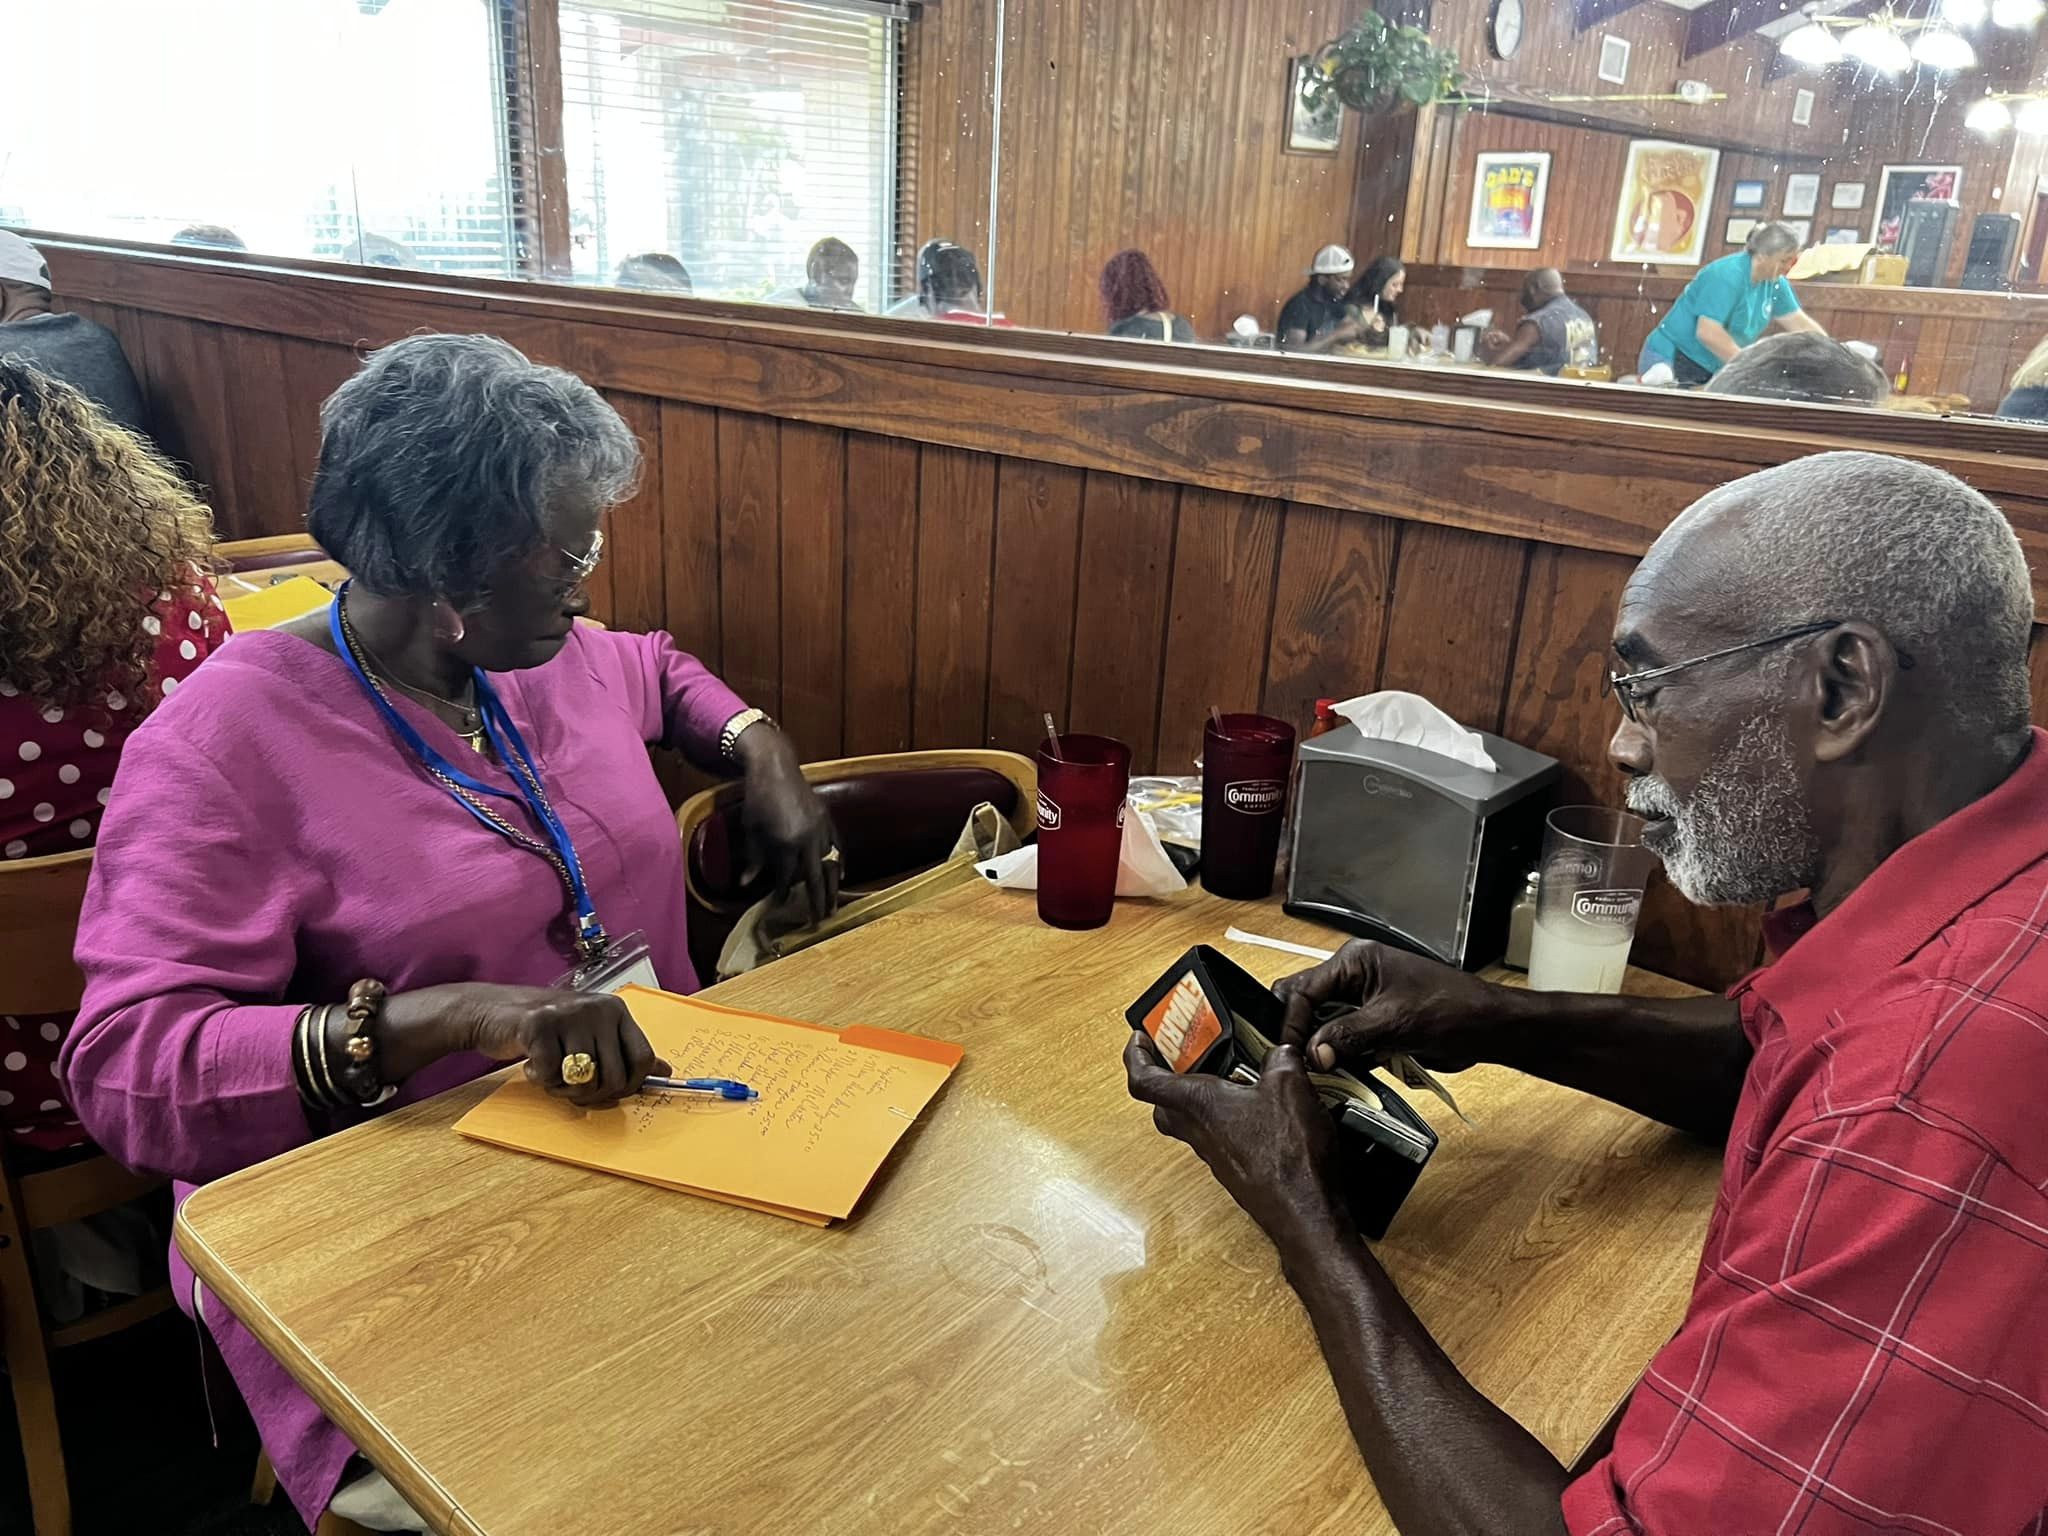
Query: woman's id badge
[{"x": 624, "y": 963}]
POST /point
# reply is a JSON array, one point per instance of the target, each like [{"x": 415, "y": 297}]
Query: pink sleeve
[
  {"x": 180, "y": 1060},
  {"x": 674, "y": 696}
]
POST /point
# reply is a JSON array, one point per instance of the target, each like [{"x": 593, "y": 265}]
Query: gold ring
[
  {"x": 578, "y": 1068},
  {"x": 831, "y": 856}
]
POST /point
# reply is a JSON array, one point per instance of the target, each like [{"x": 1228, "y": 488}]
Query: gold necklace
[{"x": 470, "y": 730}]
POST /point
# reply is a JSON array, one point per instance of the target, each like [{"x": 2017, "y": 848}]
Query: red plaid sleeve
[{"x": 1867, "y": 1351}]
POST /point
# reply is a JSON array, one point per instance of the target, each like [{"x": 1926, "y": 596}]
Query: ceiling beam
[
  {"x": 1590, "y": 13},
  {"x": 1720, "y": 22}
]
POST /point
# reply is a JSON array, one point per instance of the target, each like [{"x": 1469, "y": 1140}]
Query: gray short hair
[
  {"x": 1772, "y": 239},
  {"x": 1896, "y": 544},
  {"x": 1801, "y": 365},
  {"x": 441, "y": 457}
]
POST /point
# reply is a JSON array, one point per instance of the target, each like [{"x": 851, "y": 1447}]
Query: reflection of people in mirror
[
  {"x": 831, "y": 274},
  {"x": 654, "y": 270},
  {"x": 1374, "y": 301},
  {"x": 1313, "y": 320},
  {"x": 1554, "y": 331},
  {"x": 1803, "y": 365},
  {"x": 950, "y": 286},
  {"x": 2027, "y": 399},
  {"x": 1727, "y": 305},
  {"x": 1135, "y": 304}
]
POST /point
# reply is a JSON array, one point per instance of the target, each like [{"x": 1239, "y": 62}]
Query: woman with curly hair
[
  {"x": 1135, "y": 303},
  {"x": 105, "y": 607}
]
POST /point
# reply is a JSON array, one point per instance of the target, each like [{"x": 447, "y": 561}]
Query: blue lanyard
[{"x": 460, "y": 786}]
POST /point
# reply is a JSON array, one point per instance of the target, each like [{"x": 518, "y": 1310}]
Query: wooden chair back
[{"x": 39, "y": 903}]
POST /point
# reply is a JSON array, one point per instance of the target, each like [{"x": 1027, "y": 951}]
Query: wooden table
[{"x": 1045, "y": 1318}]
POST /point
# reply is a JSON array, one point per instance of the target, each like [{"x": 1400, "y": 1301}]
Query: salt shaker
[{"x": 1522, "y": 923}]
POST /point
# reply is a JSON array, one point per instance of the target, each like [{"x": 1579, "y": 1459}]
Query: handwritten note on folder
[{"x": 833, "y": 1103}]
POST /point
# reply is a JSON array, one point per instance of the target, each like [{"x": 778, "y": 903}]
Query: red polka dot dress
[{"x": 56, "y": 776}]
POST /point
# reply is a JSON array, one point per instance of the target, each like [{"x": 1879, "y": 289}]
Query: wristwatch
[{"x": 736, "y": 727}]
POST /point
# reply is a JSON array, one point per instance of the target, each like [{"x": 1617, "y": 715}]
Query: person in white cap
[
  {"x": 81, "y": 352},
  {"x": 1314, "y": 319}
]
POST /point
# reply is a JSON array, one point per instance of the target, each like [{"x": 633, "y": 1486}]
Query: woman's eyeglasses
[
  {"x": 580, "y": 566},
  {"x": 1623, "y": 685}
]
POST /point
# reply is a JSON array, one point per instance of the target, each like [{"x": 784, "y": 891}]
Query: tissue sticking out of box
[
  {"x": 1479, "y": 317},
  {"x": 1413, "y": 721}
]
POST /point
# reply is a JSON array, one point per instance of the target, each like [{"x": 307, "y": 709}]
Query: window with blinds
[
  {"x": 732, "y": 135},
  {"x": 357, "y": 129}
]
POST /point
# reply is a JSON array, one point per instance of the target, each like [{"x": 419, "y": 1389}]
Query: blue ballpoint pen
[{"x": 717, "y": 1087}]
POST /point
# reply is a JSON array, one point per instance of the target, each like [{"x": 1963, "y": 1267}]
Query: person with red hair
[{"x": 1135, "y": 303}]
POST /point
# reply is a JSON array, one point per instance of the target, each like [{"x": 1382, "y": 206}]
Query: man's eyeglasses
[{"x": 1623, "y": 685}]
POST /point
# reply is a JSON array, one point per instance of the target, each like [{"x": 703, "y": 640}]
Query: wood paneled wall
[
  {"x": 1160, "y": 124},
  {"x": 899, "y": 542}
]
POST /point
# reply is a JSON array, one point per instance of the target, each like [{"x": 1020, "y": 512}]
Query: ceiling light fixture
[
  {"x": 1811, "y": 44},
  {"x": 1878, "y": 44},
  {"x": 1989, "y": 117},
  {"x": 2016, "y": 15},
  {"x": 1944, "y": 48}
]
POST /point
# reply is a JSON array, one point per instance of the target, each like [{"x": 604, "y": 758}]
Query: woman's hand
[
  {"x": 788, "y": 832},
  {"x": 541, "y": 1024},
  {"x": 1394, "y": 1002}
]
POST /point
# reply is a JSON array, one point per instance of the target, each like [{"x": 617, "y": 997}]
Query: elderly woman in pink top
[{"x": 426, "y": 820}]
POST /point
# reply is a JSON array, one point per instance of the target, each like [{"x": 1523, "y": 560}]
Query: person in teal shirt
[{"x": 1728, "y": 305}]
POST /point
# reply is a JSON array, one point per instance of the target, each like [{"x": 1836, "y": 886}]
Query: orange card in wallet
[{"x": 833, "y": 1103}]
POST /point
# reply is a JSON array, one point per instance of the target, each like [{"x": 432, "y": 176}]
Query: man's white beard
[{"x": 1745, "y": 835}]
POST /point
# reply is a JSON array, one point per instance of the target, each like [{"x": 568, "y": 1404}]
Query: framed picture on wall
[
  {"x": 1737, "y": 231},
  {"x": 1900, "y": 184},
  {"x": 1666, "y": 191},
  {"x": 1847, "y": 194},
  {"x": 1614, "y": 59},
  {"x": 1802, "y": 195},
  {"x": 1803, "y": 228},
  {"x": 1309, "y": 131},
  {"x": 1844, "y": 234},
  {"x": 1802, "y": 108},
  {"x": 1749, "y": 194},
  {"x": 1507, "y": 200}
]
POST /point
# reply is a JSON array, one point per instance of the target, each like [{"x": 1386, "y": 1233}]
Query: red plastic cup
[
  {"x": 1081, "y": 797},
  {"x": 1245, "y": 771}
]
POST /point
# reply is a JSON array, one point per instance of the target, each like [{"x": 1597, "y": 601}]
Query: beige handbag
[{"x": 772, "y": 930}]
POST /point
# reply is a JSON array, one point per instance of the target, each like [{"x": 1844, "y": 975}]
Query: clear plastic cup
[{"x": 1594, "y": 870}]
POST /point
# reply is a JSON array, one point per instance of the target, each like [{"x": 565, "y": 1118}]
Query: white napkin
[
  {"x": 1142, "y": 867},
  {"x": 1413, "y": 721}
]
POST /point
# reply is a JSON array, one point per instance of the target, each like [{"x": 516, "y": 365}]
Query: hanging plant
[{"x": 1377, "y": 66}]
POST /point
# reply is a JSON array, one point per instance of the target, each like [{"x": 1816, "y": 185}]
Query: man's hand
[
  {"x": 1269, "y": 1146},
  {"x": 1400, "y": 1003}
]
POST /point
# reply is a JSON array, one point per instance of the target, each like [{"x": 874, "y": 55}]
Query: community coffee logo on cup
[
  {"x": 1048, "y": 814},
  {"x": 1255, "y": 797},
  {"x": 1608, "y": 909},
  {"x": 1569, "y": 865}
]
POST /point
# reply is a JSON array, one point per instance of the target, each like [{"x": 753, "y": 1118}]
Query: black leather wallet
[{"x": 1209, "y": 1014}]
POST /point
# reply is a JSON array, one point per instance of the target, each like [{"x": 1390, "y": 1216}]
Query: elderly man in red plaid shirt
[{"x": 1822, "y": 672}]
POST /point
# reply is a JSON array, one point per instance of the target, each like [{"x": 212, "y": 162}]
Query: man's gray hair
[
  {"x": 1899, "y": 545},
  {"x": 441, "y": 457},
  {"x": 1772, "y": 239}
]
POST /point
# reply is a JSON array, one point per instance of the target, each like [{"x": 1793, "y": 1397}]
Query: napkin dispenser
[{"x": 1397, "y": 843}]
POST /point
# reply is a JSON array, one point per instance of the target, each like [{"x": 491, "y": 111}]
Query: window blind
[
  {"x": 732, "y": 135},
  {"x": 314, "y": 127}
]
